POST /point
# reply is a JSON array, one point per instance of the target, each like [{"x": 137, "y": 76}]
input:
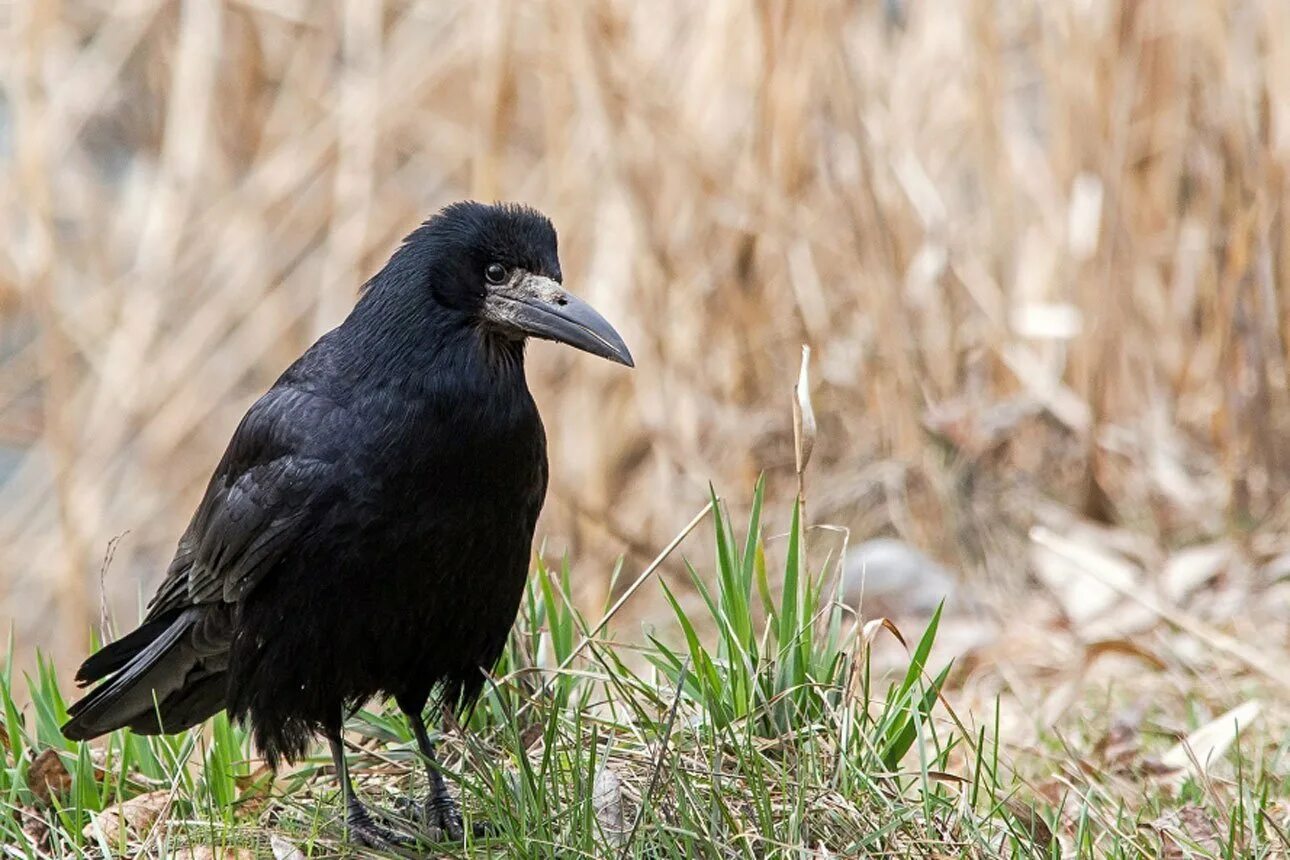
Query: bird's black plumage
[{"x": 369, "y": 529}]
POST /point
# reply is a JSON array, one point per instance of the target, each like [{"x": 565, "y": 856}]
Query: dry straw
[{"x": 1035, "y": 247}]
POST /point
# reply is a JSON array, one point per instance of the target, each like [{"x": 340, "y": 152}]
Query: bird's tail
[
  {"x": 156, "y": 681},
  {"x": 114, "y": 655}
]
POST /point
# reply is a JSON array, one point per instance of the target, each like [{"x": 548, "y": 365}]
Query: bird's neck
[{"x": 430, "y": 346}]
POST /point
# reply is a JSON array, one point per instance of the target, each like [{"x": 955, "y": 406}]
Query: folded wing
[{"x": 277, "y": 477}]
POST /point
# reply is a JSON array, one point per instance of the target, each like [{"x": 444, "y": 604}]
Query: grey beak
[{"x": 540, "y": 307}]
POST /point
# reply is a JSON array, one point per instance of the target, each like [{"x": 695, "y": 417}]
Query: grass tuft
[{"x": 764, "y": 731}]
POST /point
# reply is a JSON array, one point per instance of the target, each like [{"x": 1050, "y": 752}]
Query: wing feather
[{"x": 279, "y": 470}]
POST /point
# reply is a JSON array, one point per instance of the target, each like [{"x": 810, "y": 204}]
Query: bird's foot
[
  {"x": 441, "y": 817},
  {"x": 366, "y": 832}
]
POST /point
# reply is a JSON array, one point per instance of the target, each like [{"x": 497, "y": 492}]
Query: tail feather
[
  {"x": 144, "y": 680},
  {"x": 112, "y": 656},
  {"x": 196, "y": 702}
]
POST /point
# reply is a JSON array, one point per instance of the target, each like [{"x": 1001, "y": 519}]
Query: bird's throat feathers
[{"x": 424, "y": 343}]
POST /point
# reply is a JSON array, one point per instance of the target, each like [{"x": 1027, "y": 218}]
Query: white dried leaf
[
  {"x": 210, "y": 852},
  {"x": 803, "y": 414},
  {"x": 607, "y": 800},
  {"x": 1086, "y": 579},
  {"x": 1207, "y": 744},
  {"x": 284, "y": 850},
  {"x": 1189, "y": 569}
]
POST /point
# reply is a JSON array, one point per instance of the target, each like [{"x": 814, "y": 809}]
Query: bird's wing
[{"x": 277, "y": 477}]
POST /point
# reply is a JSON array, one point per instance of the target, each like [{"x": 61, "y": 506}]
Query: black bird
[{"x": 369, "y": 529}]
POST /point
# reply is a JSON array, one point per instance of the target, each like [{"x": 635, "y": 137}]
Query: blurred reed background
[{"x": 1038, "y": 249}]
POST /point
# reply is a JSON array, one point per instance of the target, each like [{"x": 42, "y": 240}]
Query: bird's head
[{"x": 498, "y": 266}]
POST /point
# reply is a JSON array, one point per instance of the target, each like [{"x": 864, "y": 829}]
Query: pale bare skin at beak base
[{"x": 537, "y": 306}]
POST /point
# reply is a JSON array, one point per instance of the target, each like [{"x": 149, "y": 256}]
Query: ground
[{"x": 775, "y": 722}]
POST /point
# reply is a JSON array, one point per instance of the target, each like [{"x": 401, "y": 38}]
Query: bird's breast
[{"x": 458, "y": 456}]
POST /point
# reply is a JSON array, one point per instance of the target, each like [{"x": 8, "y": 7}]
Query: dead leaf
[
  {"x": 207, "y": 852},
  {"x": 1184, "y": 830},
  {"x": 943, "y": 776},
  {"x": 1030, "y": 824},
  {"x": 872, "y": 628},
  {"x": 34, "y": 827},
  {"x": 98, "y": 758},
  {"x": 1208, "y": 743},
  {"x": 1126, "y": 620},
  {"x": 48, "y": 777},
  {"x": 1279, "y": 813},
  {"x": 1152, "y": 766},
  {"x": 284, "y": 850},
  {"x": 1191, "y": 568},
  {"x": 1086, "y": 579},
  {"x": 258, "y": 781},
  {"x": 129, "y": 819},
  {"x": 803, "y": 414},
  {"x": 531, "y": 735},
  {"x": 254, "y": 790},
  {"x": 607, "y": 800},
  {"x": 1119, "y": 748},
  {"x": 1052, "y": 790}
]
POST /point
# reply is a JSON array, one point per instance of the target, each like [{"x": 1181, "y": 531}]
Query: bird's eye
[{"x": 495, "y": 273}]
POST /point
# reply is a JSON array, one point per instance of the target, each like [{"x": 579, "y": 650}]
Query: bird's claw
[
  {"x": 366, "y": 832},
  {"x": 441, "y": 817},
  {"x": 442, "y": 814}
]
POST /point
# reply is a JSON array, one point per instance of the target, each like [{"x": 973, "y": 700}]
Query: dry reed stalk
[{"x": 1058, "y": 223}]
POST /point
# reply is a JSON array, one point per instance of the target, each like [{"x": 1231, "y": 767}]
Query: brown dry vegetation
[{"x": 1039, "y": 250}]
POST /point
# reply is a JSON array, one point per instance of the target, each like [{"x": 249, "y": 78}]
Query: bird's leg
[
  {"x": 361, "y": 826},
  {"x": 440, "y": 809}
]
